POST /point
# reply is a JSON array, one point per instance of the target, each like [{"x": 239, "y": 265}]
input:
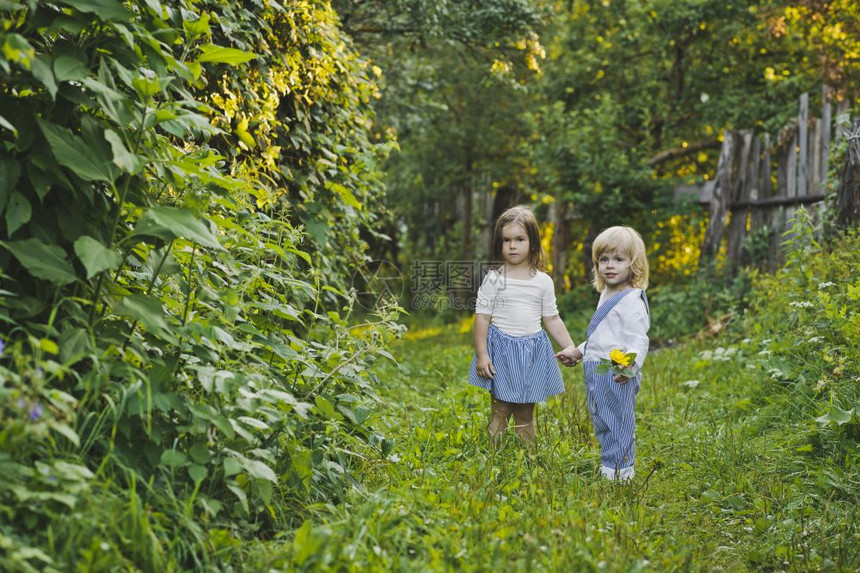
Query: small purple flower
[
  {"x": 35, "y": 412},
  {"x": 2, "y": 346},
  {"x": 22, "y": 403}
]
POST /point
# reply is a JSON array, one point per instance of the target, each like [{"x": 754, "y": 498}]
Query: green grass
[
  {"x": 748, "y": 454},
  {"x": 719, "y": 485}
]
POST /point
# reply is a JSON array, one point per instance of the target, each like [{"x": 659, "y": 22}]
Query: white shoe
[{"x": 613, "y": 474}]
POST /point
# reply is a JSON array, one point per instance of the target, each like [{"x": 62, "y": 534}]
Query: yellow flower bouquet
[{"x": 620, "y": 363}]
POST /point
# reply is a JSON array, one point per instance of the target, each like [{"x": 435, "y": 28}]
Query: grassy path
[{"x": 720, "y": 485}]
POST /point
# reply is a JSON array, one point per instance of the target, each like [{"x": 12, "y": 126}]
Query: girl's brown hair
[
  {"x": 521, "y": 216},
  {"x": 626, "y": 241}
]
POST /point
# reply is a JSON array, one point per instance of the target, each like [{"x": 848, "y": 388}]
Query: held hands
[{"x": 570, "y": 356}]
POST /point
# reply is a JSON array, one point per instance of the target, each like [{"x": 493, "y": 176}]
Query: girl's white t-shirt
[{"x": 515, "y": 305}]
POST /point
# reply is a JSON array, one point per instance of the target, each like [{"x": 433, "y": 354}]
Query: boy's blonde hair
[
  {"x": 626, "y": 241},
  {"x": 521, "y": 216}
]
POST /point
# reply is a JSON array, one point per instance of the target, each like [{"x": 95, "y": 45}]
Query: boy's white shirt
[
  {"x": 625, "y": 327},
  {"x": 516, "y": 305}
]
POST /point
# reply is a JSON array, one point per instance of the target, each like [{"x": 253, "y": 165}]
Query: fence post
[
  {"x": 740, "y": 191},
  {"x": 826, "y": 120},
  {"x": 719, "y": 203},
  {"x": 803, "y": 144}
]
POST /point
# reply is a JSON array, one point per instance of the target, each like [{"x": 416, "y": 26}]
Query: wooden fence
[{"x": 760, "y": 182}]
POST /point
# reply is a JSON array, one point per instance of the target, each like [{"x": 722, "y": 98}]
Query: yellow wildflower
[{"x": 620, "y": 357}]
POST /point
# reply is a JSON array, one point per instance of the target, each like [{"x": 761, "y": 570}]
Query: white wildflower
[
  {"x": 718, "y": 354},
  {"x": 825, "y": 285},
  {"x": 776, "y": 374},
  {"x": 802, "y": 304},
  {"x": 690, "y": 383}
]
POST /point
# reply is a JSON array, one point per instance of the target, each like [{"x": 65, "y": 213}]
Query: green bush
[{"x": 179, "y": 372}]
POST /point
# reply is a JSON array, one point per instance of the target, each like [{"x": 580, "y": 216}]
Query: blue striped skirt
[{"x": 526, "y": 368}]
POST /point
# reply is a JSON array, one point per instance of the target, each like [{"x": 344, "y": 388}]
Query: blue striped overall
[{"x": 611, "y": 404}]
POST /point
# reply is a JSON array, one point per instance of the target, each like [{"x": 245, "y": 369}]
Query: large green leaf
[
  {"x": 68, "y": 68},
  {"x": 95, "y": 256},
  {"x": 837, "y": 416},
  {"x": 345, "y": 194},
  {"x": 174, "y": 458},
  {"x": 122, "y": 157},
  {"x": 10, "y": 171},
  {"x": 170, "y": 222},
  {"x": 73, "y": 152},
  {"x": 74, "y": 344},
  {"x": 104, "y": 9},
  {"x": 113, "y": 103},
  {"x": 259, "y": 470},
  {"x": 42, "y": 260},
  {"x": 145, "y": 309},
  {"x": 18, "y": 212},
  {"x": 40, "y": 66},
  {"x": 221, "y": 55}
]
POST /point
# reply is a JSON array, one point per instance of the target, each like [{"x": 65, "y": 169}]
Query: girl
[
  {"x": 513, "y": 356},
  {"x": 621, "y": 321}
]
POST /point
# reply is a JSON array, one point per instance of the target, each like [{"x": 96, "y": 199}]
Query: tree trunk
[
  {"x": 587, "y": 263},
  {"x": 561, "y": 233},
  {"x": 466, "y": 234},
  {"x": 506, "y": 197}
]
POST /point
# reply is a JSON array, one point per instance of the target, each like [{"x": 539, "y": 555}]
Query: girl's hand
[
  {"x": 621, "y": 379},
  {"x": 485, "y": 368},
  {"x": 570, "y": 356}
]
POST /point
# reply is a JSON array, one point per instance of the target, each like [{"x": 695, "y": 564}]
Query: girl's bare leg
[
  {"x": 499, "y": 418},
  {"x": 524, "y": 421}
]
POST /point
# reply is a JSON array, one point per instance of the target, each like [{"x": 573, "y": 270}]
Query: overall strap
[
  {"x": 605, "y": 308},
  {"x": 645, "y": 300}
]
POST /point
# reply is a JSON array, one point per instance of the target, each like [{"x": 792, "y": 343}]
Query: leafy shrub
[
  {"x": 179, "y": 370},
  {"x": 812, "y": 305}
]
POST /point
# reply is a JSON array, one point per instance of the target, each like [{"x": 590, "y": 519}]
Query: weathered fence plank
[
  {"x": 741, "y": 188},
  {"x": 803, "y": 146},
  {"x": 719, "y": 203},
  {"x": 826, "y": 110}
]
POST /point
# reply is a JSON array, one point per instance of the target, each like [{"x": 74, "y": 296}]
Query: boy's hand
[
  {"x": 570, "y": 356},
  {"x": 621, "y": 379}
]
